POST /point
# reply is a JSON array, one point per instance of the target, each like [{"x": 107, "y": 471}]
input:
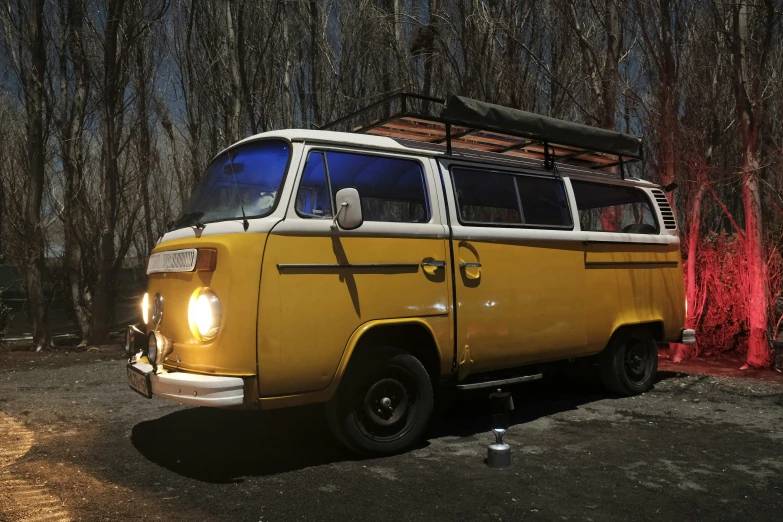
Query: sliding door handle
[{"x": 471, "y": 270}]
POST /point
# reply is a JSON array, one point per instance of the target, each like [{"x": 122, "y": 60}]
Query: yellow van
[{"x": 457, "y": 244}]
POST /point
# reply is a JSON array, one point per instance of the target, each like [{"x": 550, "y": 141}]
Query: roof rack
[{"x": 464, "y": 123}]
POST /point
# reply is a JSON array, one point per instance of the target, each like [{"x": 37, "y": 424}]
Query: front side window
[
  {"x": 613, "y": 208},
  {"x": 496, "y": 198},
  {"x": 247, "y": 177},
  {"x": 391, "y": 189}
]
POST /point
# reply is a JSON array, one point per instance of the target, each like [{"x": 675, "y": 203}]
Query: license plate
[{"x": 139, "y": 381}]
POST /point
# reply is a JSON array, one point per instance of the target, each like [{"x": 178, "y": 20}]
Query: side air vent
[{"x": 666, "y": 210}]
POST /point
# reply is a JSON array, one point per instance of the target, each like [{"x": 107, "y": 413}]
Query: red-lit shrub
[{"x": 720, "y": 313}]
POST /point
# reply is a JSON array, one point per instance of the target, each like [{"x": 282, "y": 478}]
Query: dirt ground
[{"x": 77, "y": 444}]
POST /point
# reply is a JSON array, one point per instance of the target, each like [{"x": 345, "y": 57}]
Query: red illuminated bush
[{"x": 720, "y": 311}]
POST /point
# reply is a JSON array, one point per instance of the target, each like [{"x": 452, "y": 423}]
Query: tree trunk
[
  {"x": 71, "y": 143},
  {"x": 233, "y": 130},
  {"x": 691, "y": 289},
  {"x": 35, "y": 106},
  {"x": 144, "y": 145},
  {"x": 758, "y": 293},
  {"x": 242, "y": 51},
  {"x": 749, "y": 104},
  {"x": 315, "y": 63},
  {"x": 112, "y": 99},
  {"x": 668, "y": 155}
]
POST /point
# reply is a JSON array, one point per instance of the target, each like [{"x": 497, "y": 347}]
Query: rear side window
[
  {"x": 391, "y": 189},
  {"x": 543, "y": 201},
  {"x": 612, "y": 208},
  {"x": 485, "y": 197}
]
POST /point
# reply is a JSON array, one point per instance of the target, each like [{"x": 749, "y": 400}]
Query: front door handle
[
  {"x": 430, "y": 267},
  {"x": 469, "y": 265},
  {"x": 435, "y": 264}
]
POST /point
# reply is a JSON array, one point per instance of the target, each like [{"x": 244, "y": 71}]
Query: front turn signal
[{"x": 206, "y": 260}]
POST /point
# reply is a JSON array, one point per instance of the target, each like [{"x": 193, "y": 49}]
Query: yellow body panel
[
  {"x": 530, "y": 301},
  {"x": 440, "y": 327},
  {"x": 630, "y": 284},
  {"x": 524, "y": 304},
  {"x": 308, "y": 315},
  {"x": 235, "y": 281}
]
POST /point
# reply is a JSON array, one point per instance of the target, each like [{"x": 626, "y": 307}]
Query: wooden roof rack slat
[{"x": 465, "y": 124}]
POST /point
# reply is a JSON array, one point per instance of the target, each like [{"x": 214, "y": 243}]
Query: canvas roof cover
[{"x": 474, "y": 113}]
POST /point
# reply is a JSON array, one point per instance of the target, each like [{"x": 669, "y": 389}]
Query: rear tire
[
  {"x": 384, "y": 403},
  {"x": 629, "y": 364}
]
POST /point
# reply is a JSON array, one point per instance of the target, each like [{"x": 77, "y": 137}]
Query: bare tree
[
  {"x": 748, "y": 33},
  {"x": 120, "y": 32},
  {"x": 23, "y": 23},
  {"x": 73, "y": 94}
]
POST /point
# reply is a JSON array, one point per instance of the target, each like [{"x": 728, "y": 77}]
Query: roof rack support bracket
[{"x": 549, "y": 161}]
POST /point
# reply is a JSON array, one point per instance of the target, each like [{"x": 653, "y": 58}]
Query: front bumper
[{"x": 192, "y": 388}]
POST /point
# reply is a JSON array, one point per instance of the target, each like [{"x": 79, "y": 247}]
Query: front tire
[
  {"x": 384, "y": 403},
  {"x": 629, "y": 364}
]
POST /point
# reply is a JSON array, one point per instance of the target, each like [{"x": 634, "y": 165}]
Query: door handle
[
  {"x": 471, "y": 270},
  {"x": 434, "y": 264},
  {"x": 430, "y": 267}
]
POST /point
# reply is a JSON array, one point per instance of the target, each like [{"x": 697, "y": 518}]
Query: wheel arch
[
  {"x": 413, "y": 335},
  {"x": 656, "y": 327}
]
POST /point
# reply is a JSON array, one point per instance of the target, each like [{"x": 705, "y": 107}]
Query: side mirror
[{"x": 349, "y": 209}]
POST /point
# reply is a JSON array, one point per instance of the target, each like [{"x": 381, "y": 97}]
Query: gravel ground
[{"x": 77, "y": 444}]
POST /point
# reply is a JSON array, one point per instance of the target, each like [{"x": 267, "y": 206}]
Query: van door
[
  {"x": 519, "y": 268},
  {"x": 320, "y": 284}
]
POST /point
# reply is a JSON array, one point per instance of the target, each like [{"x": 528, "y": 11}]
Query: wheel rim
[
  {"x": 388, "y": 405},
  {"x": 637, "y": 362}
]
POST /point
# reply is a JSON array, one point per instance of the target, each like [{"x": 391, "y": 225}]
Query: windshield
[{"x": 248, "y": 176}]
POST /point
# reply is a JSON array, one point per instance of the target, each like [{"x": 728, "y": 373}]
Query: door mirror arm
[{"x": 343, "y": 206}]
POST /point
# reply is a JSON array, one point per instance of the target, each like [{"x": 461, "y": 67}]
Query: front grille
[
  {"x": 669, "y": 222},
  {"x": 173, "y": 261}
]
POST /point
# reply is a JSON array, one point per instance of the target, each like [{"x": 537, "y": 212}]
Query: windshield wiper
[
  {"x": 185, "y": 220},
  {"x": 245, "y": 222}
]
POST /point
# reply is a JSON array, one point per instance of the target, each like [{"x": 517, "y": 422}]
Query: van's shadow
[{"x": 222, "y": 446}]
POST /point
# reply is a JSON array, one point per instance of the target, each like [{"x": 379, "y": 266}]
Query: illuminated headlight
[
  {"x": 145, "y": 308},
  {"x": 204, "y": 314}
]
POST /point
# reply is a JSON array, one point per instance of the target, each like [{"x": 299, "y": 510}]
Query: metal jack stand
[{"x": 499, "y": 453}]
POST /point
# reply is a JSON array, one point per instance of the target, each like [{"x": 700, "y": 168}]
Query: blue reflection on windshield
[{"x": 248, "y": 175}]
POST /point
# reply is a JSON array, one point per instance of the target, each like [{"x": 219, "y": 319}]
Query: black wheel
[
  {"x": 384, "y": 403},
  {"x": 629, "y": 363}
]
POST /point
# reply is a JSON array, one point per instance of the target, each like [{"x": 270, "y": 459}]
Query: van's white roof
[
  {"x": 346, "y": 138},
  {"x": 383, "y": 142}
]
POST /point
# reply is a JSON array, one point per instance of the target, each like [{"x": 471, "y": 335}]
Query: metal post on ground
[{"x": 499, "y": 453}]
